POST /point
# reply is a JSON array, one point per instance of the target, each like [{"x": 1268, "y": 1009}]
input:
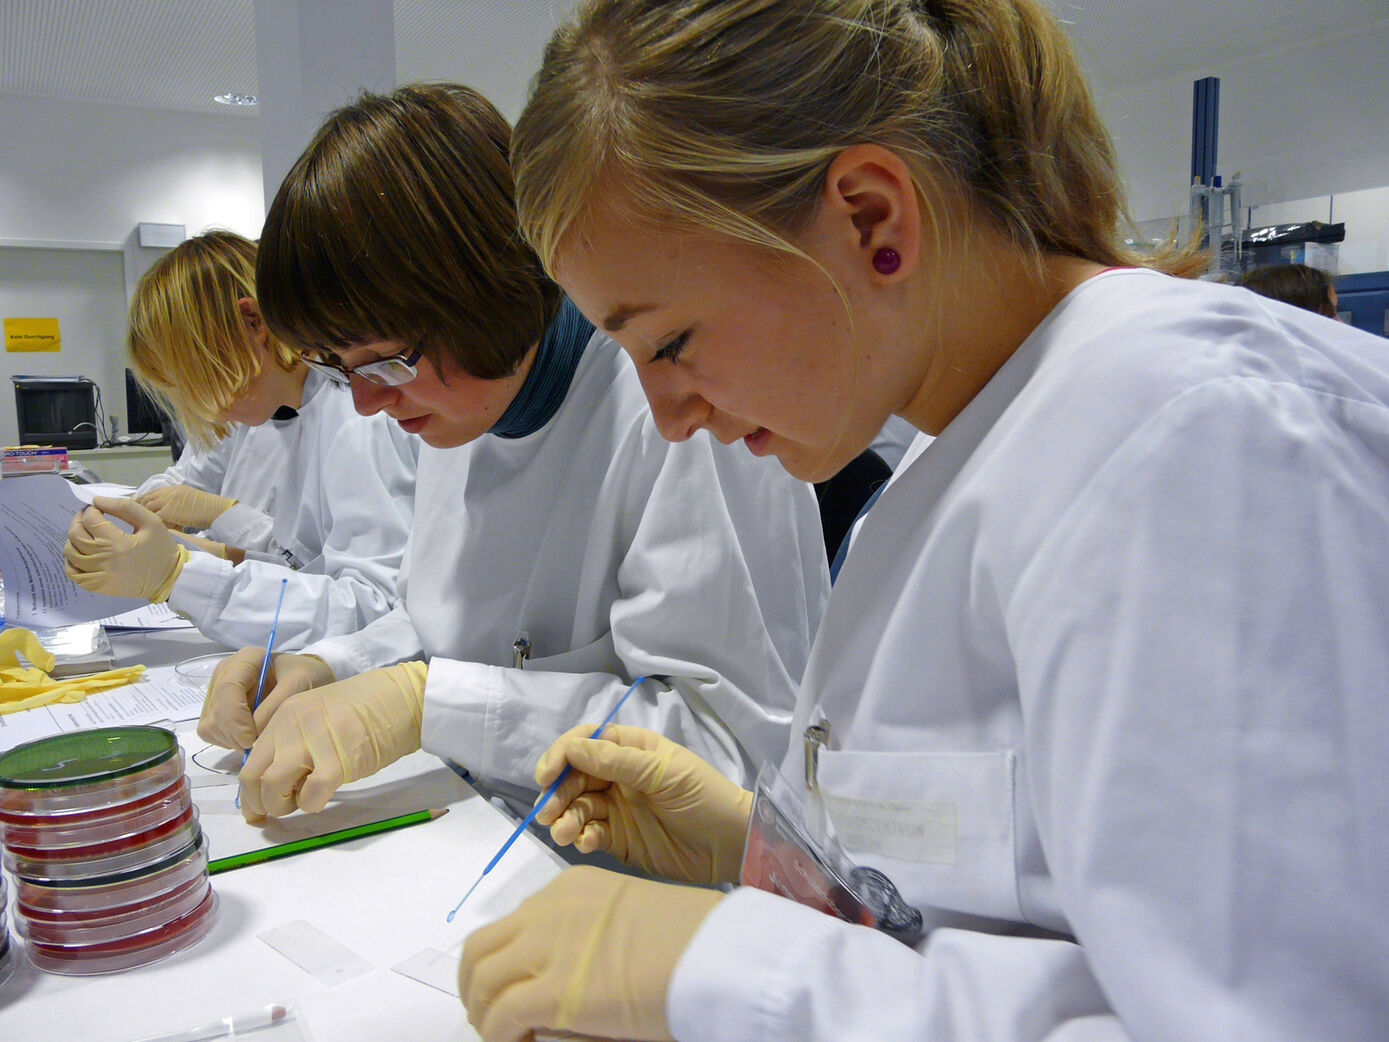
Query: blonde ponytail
[{"x": 724, "y": 115}]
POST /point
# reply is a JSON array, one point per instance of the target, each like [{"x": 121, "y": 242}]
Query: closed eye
[{"x": 670, "y": 350}]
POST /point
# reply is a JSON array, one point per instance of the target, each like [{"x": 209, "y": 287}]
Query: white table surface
[{"x": 384, "y": 897}]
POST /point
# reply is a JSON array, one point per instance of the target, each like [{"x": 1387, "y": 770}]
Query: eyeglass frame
[{"x": 402, "y": 367}]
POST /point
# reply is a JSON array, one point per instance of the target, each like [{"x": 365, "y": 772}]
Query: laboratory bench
[{"x": 354, "y": 912}]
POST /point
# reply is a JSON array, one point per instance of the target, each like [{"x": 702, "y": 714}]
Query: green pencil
[{"x": 255, "y": 857}]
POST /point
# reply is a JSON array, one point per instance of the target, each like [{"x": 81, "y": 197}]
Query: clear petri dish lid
[
  {"x": 200, "y": 668},
  {"x": 8, "y": 959},
  {"x": 104, "y": 848},
  {"x": 126, "y": 824},
  {"x": 9, "y": 819},
  {"x": 68, "y": 933},
  {"x": 122, "y": 955},
  {"x": 103, "y": 897},
  {"x": 87, "y": 757},
  {"x": 20, "y": 806},
  {"x": 116, "y": 868}
]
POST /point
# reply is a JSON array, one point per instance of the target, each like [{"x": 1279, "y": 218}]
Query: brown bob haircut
[
  {"x": 398, "y": 223},
  {"x": 1296, "y": 284}
]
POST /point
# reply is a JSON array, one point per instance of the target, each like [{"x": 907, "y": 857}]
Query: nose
[
  {"x": 370, "y": 398},
  {"x": 678, "y": 410}
]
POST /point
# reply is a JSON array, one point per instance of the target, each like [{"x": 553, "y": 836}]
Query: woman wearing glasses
[
  {"x": 561, "y": 546},
  {"x": 283, "y": 471}
]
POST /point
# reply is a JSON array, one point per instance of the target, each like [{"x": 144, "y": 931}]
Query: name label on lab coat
[{"x": 923, "y": 831}]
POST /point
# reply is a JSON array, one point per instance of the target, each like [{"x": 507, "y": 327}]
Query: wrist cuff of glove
[{"x": 162, "y": 591}]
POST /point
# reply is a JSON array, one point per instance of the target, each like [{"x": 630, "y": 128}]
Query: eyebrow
[{"x": 620, "y": 315}]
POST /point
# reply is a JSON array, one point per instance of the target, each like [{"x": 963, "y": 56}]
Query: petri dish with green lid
[{"x": 85, "y": 772}]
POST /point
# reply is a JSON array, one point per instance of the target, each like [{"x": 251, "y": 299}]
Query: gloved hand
[
  {"x": 648, "y": 801},
  {"x": 102, "y": 558},
  {"x": 226, "y": 719},
  {"x": 183, "y": 506},
  {"x": 593, "y": 953},
  {"x": 326, "y": 737},
  {"x": 207, "y": 546}
]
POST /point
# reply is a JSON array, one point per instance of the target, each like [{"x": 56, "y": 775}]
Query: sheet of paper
[
  {"x": 148, "y": 617},
  {"x": 35, "y": 512},
  {"x": 87, "y": 493},
  {"x": 159, "y": 694}
]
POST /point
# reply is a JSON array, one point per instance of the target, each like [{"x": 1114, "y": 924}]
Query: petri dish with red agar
[{"x": 102, "y": 836}]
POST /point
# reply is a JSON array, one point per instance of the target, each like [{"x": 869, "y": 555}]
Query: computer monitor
[
  {"x": 142, "y": 413},
  {"x": 56, "y": 411}
]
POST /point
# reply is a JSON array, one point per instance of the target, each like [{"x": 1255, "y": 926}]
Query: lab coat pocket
[{"x": 939, "y": 825}]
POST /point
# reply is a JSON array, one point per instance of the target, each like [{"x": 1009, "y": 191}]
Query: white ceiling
[{"x": 177, "y": 54}]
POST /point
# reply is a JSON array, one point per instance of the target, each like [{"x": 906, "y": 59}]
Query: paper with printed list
[
  {"x": 35, "y": 513},
  {"x": 159, "y": 694}
]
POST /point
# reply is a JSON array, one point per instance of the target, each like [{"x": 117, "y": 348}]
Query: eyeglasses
[{"x": 387, "y": 372}]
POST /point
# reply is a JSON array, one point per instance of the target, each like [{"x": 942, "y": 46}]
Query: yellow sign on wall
[{"x": 32, "y": 334}]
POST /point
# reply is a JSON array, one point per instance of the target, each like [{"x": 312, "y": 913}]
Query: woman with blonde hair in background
[
  {"x": 282, "y": 474},
  {"x": 1096, "y": 711}
]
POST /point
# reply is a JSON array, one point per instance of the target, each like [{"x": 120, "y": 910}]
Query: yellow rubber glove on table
[
  {"x": 27, "y": 687},
  {"x": 648, "y": 801},
  {"x": 103, "y": 558},
  {"x": 593, "y": 953},
  {"x": 323, "y": 738},
  {"x": 183, "y": 506}
]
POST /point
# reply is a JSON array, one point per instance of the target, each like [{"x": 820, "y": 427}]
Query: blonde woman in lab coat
[
  {"x": 284, "y": 477},
  {"x": 561, "y": 546},
  {"x": 1098, "y": 705}
]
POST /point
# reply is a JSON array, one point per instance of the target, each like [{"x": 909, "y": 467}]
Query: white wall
[
  {"x": 81, "y": 172},
  {"x": 85, "y": 291},
  {"x": 75, "y": 173},
  {"x": 1310, "y": 122}
]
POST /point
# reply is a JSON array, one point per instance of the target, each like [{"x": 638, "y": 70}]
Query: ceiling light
[{"x": 236, "y": 99}]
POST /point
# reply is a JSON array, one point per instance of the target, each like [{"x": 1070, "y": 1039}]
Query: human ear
[
  {"x": 870, "y": 194},
  {"x": 251, "y": 318}
]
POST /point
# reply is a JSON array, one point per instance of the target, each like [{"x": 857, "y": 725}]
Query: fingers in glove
[
  {"x": 226, "y": 717},
  {"x": 588, "y": 809},
  {"x": 484, "y": 968},
  {"x": 272, "y": 698}
]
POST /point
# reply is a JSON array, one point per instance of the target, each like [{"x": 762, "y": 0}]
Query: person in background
[
  {"x": 1097, "y": 707},
  {"x": 1297, "y": 284},
  {"x": 333, "y": 492},
  {"x": 561, "y": 547}
]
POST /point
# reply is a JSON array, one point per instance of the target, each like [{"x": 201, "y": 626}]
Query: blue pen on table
[
  {"x": 264, "y": 666},
  {"x": 544, "y": 799}
]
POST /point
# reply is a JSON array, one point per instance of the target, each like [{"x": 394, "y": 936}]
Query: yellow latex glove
[
  {"x": 593, "y": 953},
  {"x": 25, "y": 687},
  {"x": 183, "y": 506},
  {"x": 207, "y": 546},
  {"x": 102, "y": 558},
  {"x": 648, "y": 801},
  {"x": 226, "y": 719},
  {"x": 321, "y": 739}
]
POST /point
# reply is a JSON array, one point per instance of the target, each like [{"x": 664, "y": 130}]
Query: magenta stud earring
[{"x": 886, "y": 260}]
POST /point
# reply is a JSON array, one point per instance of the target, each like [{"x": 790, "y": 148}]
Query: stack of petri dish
[
  {"x": 7, "y": 952},
  {"x": 110, "y": 866}
]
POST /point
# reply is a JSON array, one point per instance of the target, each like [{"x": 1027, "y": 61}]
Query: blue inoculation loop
[
  {"x": 544, "y": 799},
  {"x": 265, "y": 665}
]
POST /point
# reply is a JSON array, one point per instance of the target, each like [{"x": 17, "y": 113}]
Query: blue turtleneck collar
[{"x": 556, "y": 359}]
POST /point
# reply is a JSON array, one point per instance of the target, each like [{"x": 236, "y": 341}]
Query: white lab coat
[
  {"x": 895, "y": 439},
  {"x": 343, "y": 505},
  {"x": 619, "y": 554},
  {"x": 1108, "y": 659},
  {"x": 248, "y": 465}
]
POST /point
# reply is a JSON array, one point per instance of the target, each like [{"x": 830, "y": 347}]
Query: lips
[
  {"x": 414, "y": 424},
  {"x": 757, "y": 441}
]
